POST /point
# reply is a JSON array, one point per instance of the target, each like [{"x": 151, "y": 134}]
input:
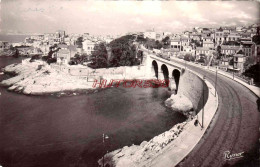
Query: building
[
  {"x": 239, "y": 60},
  {"x": 208, "y": 44},
  {"x": 63, "y": 56},
  {"x": 239, "y": 28},
  {"x": 37, "y": 37},
  {"x": 207, "y": 39},
  {"x": 88, "y": 46},
  {"x": 247, "y": 47},
  {"x": 172, "y": 52},
  {"x": 188, "y": 49},
  {"x": 185, "y": 41},
  {"x": 219, "y": 37},
  {"x": 60, "y": 34},
  {"x": 206, "y": 31},
  {"x": 229, "y": 50},
  {"x": 224, "y": 64},
  {"x": 176, "y": 43},
  {"x": 150, "y": 34},
  {"x": 159, "y": 36},
  {"x": 202, "y": 50},
  {"x": 196, "y": 37},
  {"x": 233, "y": 36},
  {"x": 65, "y": 53},
  {"x": 256, "y": 53}
]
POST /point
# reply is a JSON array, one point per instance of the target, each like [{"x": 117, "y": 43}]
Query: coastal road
[{"x": 234, "y": 128}]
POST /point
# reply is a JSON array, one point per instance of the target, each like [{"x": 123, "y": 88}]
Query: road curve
[{"x": 234, "y": 128}]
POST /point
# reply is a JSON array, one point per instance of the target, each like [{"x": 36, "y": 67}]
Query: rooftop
[
  {"x": 63, "y": 51},
  {"x": 203, "y": 48},
  {"x": 239, "y": 55},
  {"x": 228, "y": 47},
  {"x": 247, "y": 42}
]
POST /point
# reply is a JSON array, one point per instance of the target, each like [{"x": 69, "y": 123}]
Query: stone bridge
[
  {"x": 183, "y": 81},
  {"x": 158, "y": 68}
]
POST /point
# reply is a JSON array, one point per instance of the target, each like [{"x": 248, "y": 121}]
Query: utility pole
[
  {"x": 103, "y": 149},
  {"x": 202, "y": 126},
  {"x": 233, "y": 66},
  {"x": 216, "y": 81}
]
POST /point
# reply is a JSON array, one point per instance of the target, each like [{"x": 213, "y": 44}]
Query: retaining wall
[{"x": 192, "y": 87}]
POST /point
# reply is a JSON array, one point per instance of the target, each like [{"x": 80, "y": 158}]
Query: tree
[
  {"x": 158, "y": 45},
  {"x": 123, "y": 52},
  {"x": 187, "y": 57},
  {"x": 99, "y": 56},
  {"x": 218, "y": 52},
  {"x": 140, "y": 55},
  {"x": 166, "y": 39},
  {"x": 166, "y": 42},
  {"x": 253, "y": 72},
  {"x": 231, "y": 62},
  {"x": 249, "y": 62},
  {"x": 141, "y": 39},
  {"x": 79, "y": 41},
  {"x": 192, "y": 58},
  {"x": 49, "y": 59},
  {"x": 201, "y": 60},
  {"x": 256, "y": 39}
]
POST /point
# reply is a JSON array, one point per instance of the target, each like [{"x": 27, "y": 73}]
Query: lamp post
[
  {"x": 202, "y": 126},
  {"x": 233, "y": 66},
  {"x": 216, "y": 81}
]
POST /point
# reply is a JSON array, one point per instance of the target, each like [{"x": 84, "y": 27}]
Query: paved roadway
[{"x": 235, "y": 127}]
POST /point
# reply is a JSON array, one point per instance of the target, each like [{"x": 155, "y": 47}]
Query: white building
[
  {"x": 150, "y": 34},
  {"x": 208, "y": 44},
  {"x": 229, "y": 50},
  {"x": 176, "y": 43},
  {"x": 88, "y": 46}
]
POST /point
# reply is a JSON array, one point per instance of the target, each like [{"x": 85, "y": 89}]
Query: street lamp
[
  {"x": 216, "y": 80},
  {"x": 233, "y": 66},
  {"x": 202, "y": 126}
]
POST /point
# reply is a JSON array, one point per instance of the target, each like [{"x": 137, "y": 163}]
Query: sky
[{"x": 119, "y": 17}]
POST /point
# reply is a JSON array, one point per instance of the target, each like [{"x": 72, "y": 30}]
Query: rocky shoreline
[
  {"x": 139, "y": 155},
  {"x": 33, "y": 78}
]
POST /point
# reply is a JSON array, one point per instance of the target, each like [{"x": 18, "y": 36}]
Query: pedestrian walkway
[{"x": 179, "y": 148}]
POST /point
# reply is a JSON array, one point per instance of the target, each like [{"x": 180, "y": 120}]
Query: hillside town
[{"x": 232, "y": 49}]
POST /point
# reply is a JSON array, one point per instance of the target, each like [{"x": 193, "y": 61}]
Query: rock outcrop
[
  {"x": 38, "y": 78},
  {"x": 179, "y": 103},
  {"x": 136, "y": 155}
]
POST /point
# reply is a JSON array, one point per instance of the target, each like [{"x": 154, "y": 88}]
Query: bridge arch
[
  {"x": 176, "y": 75},
  {"x": 165, "y": 71},
  {"x": 155, "y": 68}
]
